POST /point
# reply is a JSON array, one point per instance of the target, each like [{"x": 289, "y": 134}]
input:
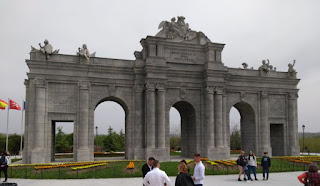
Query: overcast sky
[{"x": 252, "y": 30}]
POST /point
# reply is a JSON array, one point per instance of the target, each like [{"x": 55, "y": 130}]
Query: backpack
[
  {"x": 238, "y": 161},
  {"x": 309, "y": 182}
]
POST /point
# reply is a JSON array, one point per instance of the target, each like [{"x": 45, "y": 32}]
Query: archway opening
[
  {"x": 243, "y": 126},
  {"x": 175, "y": 132},
  {"x": 109, "y": 129},
  {"x": 186, "y": 127},
  {"x": 62, "y": 140}
]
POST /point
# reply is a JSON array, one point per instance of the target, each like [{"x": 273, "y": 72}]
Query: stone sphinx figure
[
  {"x": 84, "y": 52},
  {"x": 291, "y": 71},
  {"x": 179, "y": 31},
  {"x": 47, "y": 49}
]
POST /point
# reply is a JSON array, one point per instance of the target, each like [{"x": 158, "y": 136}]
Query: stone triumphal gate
[{"x": 178, "y": 68}]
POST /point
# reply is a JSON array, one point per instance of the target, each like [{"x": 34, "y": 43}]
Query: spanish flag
[{"x": 3, "y": 104}]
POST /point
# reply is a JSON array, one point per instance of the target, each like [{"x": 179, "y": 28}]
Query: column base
[
  {"x": 161, "y": 154},
  {"x": 219, "y": 153},
  {"x": 264, "y": 149},
  {"x": 38, "y": 156},
  {"x": 294, "y": 151},
  {"x": 83, "y": 154}
]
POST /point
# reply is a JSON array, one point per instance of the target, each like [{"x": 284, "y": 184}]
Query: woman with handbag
[
  {"x": 4, "y": 166},
  {"x": 312, "y": 177}
]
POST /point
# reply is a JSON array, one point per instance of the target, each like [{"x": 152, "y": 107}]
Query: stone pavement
[{"x": 281, "y": 179}]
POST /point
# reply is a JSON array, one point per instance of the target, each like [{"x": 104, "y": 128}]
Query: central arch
[
  {"x": 124, "y": 106},
  {"x": 188, "y": 128},
  {"x": 247, "y": 126}
]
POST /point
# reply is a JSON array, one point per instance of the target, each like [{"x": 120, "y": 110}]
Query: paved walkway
[{"x": 281, "y": 179}]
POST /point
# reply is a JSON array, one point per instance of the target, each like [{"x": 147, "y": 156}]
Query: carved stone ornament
[
  {"x": 40, "y": 83},
  {"x": 243, "y": 95},
  {"x": 161, "y": 87},
  {"x": 293, "y": 95},
  {"x": 183, "y": 93},
  {"x": 84, "y": 85},
  {"x": 291, "y": 71},
  {"x": 138, "y": 88},
  {"x": 179, "y": 31},
  {"x": 84, "y": 52},
  {"x": 209, "y": 90},
  {"x": 219, "y": 90},
  {"x": 150, "y": 87},
  {"x": 47, "y": 49},
  {"x": 26, "y": 82},
  {"x": 112, "y": 90},
  {"x": 264, "y": 94}
]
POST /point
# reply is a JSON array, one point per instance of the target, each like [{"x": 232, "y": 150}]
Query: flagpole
[
  {"x": 7, "y": 125},
  {"x": 21, "y": 126}
]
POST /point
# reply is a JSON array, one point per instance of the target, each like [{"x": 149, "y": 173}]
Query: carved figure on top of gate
[
  {"x": 179, "y": 31},
  {"x": 47, "y": 49},
  {"x": 291, "y": 71},
  {"x": 84, "y": 52},
  {"x": 265, "y": 67}
]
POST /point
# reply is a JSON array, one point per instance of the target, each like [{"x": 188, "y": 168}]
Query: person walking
[
  {"x": 265, "y": 164},
  {"x": 199, "y": 169},
  {"x": 252, "y": 164},
  {"x": 4, "y": 166},
  {"x": 312, "y": 177},
  {"x": 185, "y": 162},
  {"x": 242, "y": 165},
  {"x": 156, "y": 177},
  {"x": 183, "y": 178},
  {"x": 148, "y": 166}
]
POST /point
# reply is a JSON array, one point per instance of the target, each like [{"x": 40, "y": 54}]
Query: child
[{"x": 265, "y": 163}]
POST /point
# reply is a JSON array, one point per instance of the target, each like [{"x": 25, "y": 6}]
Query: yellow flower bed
[
  {"x": 224, "y": 162},
  {"x": 131, "y": 165},
  {"x": 212, "y": 163},
  {"x": 88, "y": 166}
]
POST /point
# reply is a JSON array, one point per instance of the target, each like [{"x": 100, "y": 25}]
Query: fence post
[
  {"x": 11, "y": 172},
  {"x": 95, "y": 172},
  {"x": 25, "y": 173},
  {"x": 114, "y": 172},
  {"x": 227, "y": 169},
  {"x": 77, "y": 174},
  {"x": 59, "y": 173},
  {"x": 213, "y": 169}
]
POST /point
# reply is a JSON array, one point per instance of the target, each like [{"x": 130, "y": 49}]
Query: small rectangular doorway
[
  {"x": 277, "y": 139},
  {"x": 62, "y": 140}
]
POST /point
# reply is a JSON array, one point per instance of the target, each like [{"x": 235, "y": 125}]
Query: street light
[
  {"x": 303, "y": 127},
  {"x": 96, "y": 136}
]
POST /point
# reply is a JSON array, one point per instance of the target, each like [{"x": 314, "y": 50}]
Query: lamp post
[
  {"x": 303, "y": 127},
  {"x": 96, "y": 136}
]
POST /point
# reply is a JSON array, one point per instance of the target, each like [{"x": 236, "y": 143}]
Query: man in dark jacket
[
  {"x": 4, "y": 166},
  {"x": 148, "y": 166},
  {"x": 266, "y": 164}
]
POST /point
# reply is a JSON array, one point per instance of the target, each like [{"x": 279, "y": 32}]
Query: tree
[
  {"x": 235, "y": 138},
  {"x": 14, "y": 144},
  {"x": 114, "y": 141},
  {"x": 64, "y": 142}
]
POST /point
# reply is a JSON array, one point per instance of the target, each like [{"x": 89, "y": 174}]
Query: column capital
[
  {"x": 219, "y": 90},
  {"x": 150, "y": 87},
  {"x": 161, "y": 87},
  {"x": 293, "y": 95},
  {"x": 84, "y": 85},
  {"x": 264, "y": 94},
  {"x": 209, "y": 90},
  {"x": 138, "y": 88},
  {"x": 40, "y": 83}
]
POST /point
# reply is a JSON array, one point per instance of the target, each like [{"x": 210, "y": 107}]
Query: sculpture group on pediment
[
  {"x": 266, "y": 67},
  {"x": 47, "y": 49},
  {"x": 179, "y": 31}
]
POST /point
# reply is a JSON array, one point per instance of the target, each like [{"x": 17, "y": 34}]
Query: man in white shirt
[
  {"x": 156, "y": 177},
  {"x": 198, "y": 175}
]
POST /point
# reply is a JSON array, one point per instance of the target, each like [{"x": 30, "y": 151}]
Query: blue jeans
[
  {"x": 253, "y": 168},
  {"x": 265, "y": 170}
]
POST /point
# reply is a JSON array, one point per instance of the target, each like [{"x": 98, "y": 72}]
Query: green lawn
[{"x": 118, "y": 170}]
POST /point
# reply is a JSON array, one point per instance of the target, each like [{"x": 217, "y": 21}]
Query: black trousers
[{"x": 5, "y": 171}]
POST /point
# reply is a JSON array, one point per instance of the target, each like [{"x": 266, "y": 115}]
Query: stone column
[
  {"x": 218, "y": 117},
  {"x": 209, "y": 131},
  {"x": 138, "y": 122},
  {"x": 294, "y": 149},
  {"x": 226, "y": 130},
  {"x": 161, "y": 115},
  {"x": 150, "y": 113},
  {"x": 83, "y": 146},
  {"x": 38, "y": 153},
  {"x": 264, "y": 123}
]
